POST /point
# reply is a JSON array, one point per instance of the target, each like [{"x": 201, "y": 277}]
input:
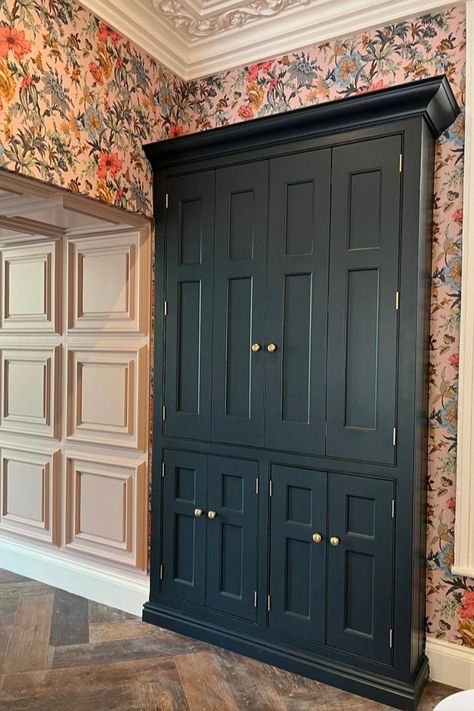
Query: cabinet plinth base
[{"x": 398, "y": 694}]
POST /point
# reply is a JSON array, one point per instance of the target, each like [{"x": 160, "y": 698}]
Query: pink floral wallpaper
[{"x": 77, "y": 101}]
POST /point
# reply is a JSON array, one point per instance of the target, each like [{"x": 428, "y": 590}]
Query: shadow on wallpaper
[{"x": 77, "y": 101}]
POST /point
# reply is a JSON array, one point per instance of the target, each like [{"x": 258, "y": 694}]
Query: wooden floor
[{"x": 62, "y": 652}]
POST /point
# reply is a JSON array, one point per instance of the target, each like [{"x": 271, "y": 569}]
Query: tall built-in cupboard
[{"x": 292, "y": 292}]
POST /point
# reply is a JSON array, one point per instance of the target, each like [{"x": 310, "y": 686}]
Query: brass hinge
[
  {"x": 162, "y": 571},
  {"x": 162, "y": 470},
  {"x": 165, "y": 308},
  {"x": 166, "y": 200},
  {"x": 391, "y": 639},
  {"x": 393, "y": 508},
  {"x": 255, "y": 598},
  {"x": 256, "y": 485},
  {"x": 394, "y": 437},
  {"x": 400, "y": 164},
  {"x": 269, "y": 603},
  {"x": 397, "y": 301},
  {"x": 163, "y": 412},
  {"x": 270, "y": 488}
]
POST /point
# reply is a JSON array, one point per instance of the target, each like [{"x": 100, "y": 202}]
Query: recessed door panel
[
  {"x": 297, "y": 302},
  {"x": 298, "y": 561},
  {"x": 360, "y": 567},
  {"x": 189, "y": 258},
  {"x": 184, "y": 533},
  {"x": 362, "y": 346},
  {"x": 239, "y": 294},
  {"x": 232, "y": 536}
]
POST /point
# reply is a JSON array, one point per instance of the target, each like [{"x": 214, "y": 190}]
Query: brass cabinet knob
[
  {"x": 334, "y": 540},
  {"x": 198, "y": 513},
  {"x": 317, "y": 537},
  {"x": 271, "y": 348},
  {"x": 211, "y": 515},
  {"x": 256, "y": 347}
]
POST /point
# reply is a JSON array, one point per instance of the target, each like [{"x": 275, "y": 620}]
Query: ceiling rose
[{"x": 184, "y": 17}]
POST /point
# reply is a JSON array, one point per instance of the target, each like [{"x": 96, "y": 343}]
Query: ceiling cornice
[{"x": 294, "y": 24}]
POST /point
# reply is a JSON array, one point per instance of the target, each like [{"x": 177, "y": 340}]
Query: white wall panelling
[
  {"x": 30, "y": 493},
  {"x": 107, "y": 394},
  {"x": 105, "y": 283},
  {"x": 30, "y": 389},
  {"x": 106, "y": 501},
  {"x": 31, "y": 297},
  {"x": 74, "y": 386}
]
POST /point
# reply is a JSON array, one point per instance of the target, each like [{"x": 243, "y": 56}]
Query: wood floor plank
[
  {"x": 122, "y": 629},
  {"x": 105, "y": 687},
  {"x": 6, "y": 576},
  {"x": 28, "y": 646},
  {"x": 204, "y": 684},
  {"x": 160, "y": 644},
  {"x": 70, "y": 621}
]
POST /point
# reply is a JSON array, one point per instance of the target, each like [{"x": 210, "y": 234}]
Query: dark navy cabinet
[{"x": 290, "y": 386}]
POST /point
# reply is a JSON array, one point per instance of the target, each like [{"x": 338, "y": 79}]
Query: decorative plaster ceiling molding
[{"x": 196, "y": 38}]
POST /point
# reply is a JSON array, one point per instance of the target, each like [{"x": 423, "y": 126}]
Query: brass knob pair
[
  {"x": 271, "y": 348},
  {"x": 334, "y": 540},
  {"x": 210, "y": 514}
]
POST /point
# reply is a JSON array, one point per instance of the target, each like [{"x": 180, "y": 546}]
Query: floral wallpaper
[{"x": 77, "y": 101}]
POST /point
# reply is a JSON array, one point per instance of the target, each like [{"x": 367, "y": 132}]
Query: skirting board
[
  {"x": 119, "y": 590},
  {"x": 451, "y": 664}
]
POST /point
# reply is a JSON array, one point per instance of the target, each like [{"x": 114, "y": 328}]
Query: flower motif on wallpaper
[{"x": 78, "y": 100}]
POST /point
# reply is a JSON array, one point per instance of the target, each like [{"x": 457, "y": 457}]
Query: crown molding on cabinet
[{"x": 196, "y": 39}]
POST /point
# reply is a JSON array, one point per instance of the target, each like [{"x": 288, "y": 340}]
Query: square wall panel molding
[
  {"x": 106, "y": 285},
  {"x": 114, "y": 531},
  {"x": 30, "y": 493},
  {"x": 107, "y": 395},
  {"x": 30, "y": 390},
  {"x": 31, "y": 297}
]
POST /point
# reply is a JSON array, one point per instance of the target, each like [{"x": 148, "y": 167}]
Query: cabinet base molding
[
  {"x": 120, "y": 590},
  {"x": 451, "y": 664},
  {"x": 381, "y": 689}
]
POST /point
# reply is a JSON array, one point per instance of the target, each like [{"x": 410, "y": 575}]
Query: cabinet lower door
[
  {"x": 232, "y": 536},
  {"x": 184, "y": 534},
  {"x": 360, "y": 567},
  {"x": 298, "y": 562}
]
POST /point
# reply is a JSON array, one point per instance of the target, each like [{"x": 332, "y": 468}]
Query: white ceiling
[{"x": 199, "y": 37}]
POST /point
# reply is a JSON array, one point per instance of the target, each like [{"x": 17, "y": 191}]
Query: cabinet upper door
[
  {"x": 184, "y": 534},
  {"x": 363, "y": 281},
  {"x": 360, "y": 567},
  {"x": 239, "y": 303},
  {"x": 297, "y": 301},
  {"x": 189, "y": 260},
  {"x": 298, "y": 561},
  {"x": 232, "y": 536}
]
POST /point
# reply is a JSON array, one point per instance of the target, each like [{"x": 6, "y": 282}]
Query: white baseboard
[
  {"x": 451, "y": 664},
  {"x": 110, "y": 587}
]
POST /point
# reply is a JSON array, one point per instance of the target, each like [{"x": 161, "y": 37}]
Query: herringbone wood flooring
[{"x": 62, "y": 652}]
